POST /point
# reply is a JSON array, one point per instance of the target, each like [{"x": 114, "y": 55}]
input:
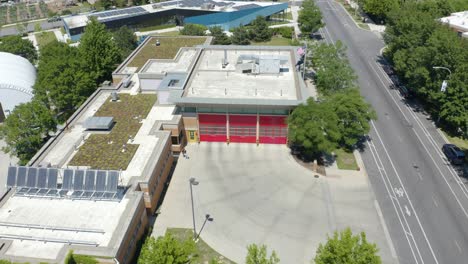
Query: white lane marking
[
  {"x": 399, "y": 211},
  {"x": 419, "y": 175},
  {"x": 430, "y": 138},
  {"x": 458, "y": 246},
  {"x": 434, "y": 201},
  {"x": 406, "y": 193},
  {"x": 385, "y": 229},
  {"x": 422, "y": 143},
  {"x": 407, "y": 210}
]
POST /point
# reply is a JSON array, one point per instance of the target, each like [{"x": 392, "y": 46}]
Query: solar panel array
[
  {"x": 199, "y": 3},
  {"x": 76, "y": 184},
  {"x": 120, "y": 13}
]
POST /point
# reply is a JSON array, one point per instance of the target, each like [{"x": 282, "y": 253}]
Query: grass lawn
[
  {"x": 45, "y": 38},
  {"x": 275, "y": 41},
  {"x": 167, "y": 50},
  {"x": 460, "y": 142},
  {"x": 157, "y": 27},
  {"x": 204, "y": 252},
  {"x": 345, "y": 160},
  {"x": 97, "y": 151}
]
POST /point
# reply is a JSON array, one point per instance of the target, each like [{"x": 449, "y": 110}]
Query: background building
[
  {"x": 17, "y": 77},
  {"x": 227, "y": 14},
  {"x": 458, "y": 22}
]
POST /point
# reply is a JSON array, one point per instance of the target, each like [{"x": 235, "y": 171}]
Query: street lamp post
[
  {"x": 444, "y": 83},
  {"x": 207, "y": 218},
  {"x": 192, "y": 181}
]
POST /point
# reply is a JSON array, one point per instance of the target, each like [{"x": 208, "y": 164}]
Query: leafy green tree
[
  {"x": 193, "y": 30},
  {"x": 19, "y": 46},
  {"x": 220, "y": 38},
  {"x": 258, "y": 255},
  {"x": 125, "y": 40},
  {"x": 102, "y": 4},
  {"x": 259, "y": 30},
  {"x": 167, "y": 249},
  {"x": 62, "y": 82},
  {"x": 99, "y": 51},
  {"x": 310, "y": 17},
  {"x": 378, "y": 9},
  {"x": 26, "y": 129},
  {"x": 315, "y": 127},
  {"x": 346, "y": 248},
  {"x": 333, "y": 71},
  {"x": 240, "y": 36},
  {"x": 354, "y": 114}
]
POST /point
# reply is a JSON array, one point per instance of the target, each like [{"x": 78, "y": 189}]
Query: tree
[
  {"x": 103, "y": 4},
  {"x": 62, "y": 83},
  {"x": 26, "y": 129},
  {"x": 354, "y": 114},
  {"x": 345, "y": 248},
  {"x": 193, "y": 30},
  {"x": 166, "y": 249},
  {"x": 220, "y": 38},
  {"x": 125, "y": 40},
  {"x": 378, "y": 9},
  {"x": 19, "y": 46},
  {"x": 315, "y": 127},
  {"x": 310, "y": 17},
  {"x": 258, "y": 255},
  {"x": 259, "y": 30},
  {"x": 333, "y": 71},
  {"x": 99, "y": 51},
  {"x": 240, "y": 36}
]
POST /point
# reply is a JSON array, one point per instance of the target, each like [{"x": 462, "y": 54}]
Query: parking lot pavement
[{"x": 259, "y": 194}]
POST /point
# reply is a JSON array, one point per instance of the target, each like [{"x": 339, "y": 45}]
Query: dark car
[{"x": 454, "y": 154}]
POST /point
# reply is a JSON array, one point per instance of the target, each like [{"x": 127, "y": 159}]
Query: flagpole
[{"x": 305, "y": 59}]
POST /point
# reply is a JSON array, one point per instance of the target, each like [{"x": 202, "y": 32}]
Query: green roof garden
[{"x": 104, "y": 151}]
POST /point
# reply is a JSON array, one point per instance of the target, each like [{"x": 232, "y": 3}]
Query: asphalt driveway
[{"x": 259, "y": 194}]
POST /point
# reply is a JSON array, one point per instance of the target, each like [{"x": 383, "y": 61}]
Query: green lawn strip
[
  {"x": 204, "y": 252},
  {"x": 167, "y": 49},
  {"x": 275, "y": 41},
  {"x": 354, "y": 15},
  {"x": 345, "y": 160},
  {"x": 286, "y": 15},
  {"x": 97, "y": 152},
  {"x": 458, "y": 141},
  {"x": 157, "y": 27},
  {"x": 168, "y": 34},
  {"x": 45, "y": 38}
]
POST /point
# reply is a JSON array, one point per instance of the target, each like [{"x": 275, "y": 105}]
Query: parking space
[{"x": 259, "y": 194}]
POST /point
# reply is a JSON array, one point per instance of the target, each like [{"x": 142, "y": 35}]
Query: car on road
[{"x": 454, "y": 154}]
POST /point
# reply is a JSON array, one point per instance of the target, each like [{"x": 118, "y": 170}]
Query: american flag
[{"x": 301, "y": 51}]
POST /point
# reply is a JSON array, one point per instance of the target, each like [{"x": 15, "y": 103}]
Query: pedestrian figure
[{"x": 183, "y": 153}]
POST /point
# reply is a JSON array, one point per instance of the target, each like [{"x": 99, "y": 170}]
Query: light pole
[
  {"x": 192, "y": 181},
  {"x": 444, "y": 83},
  {"x": 207, "y": 218}
]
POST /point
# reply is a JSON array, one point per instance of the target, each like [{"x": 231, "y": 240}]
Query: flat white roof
[
  {"x": 211, "y": 80},
  {"x": 180, "y": 64},
  {"x": 80, "y": 216},
  {"x": 458, "y": 21}
]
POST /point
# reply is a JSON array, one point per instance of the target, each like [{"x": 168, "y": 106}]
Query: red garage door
[
  {"x": 273, "y": 129},
  {"x": 243, "y": 128},
  {"x": 212, "y": 127}
]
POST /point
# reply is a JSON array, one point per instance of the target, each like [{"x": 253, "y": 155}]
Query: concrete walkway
[
  {"x": 259, "y": 194},
  {"x": 159, "y": 31}
]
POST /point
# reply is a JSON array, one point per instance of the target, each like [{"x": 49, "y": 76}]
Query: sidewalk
[{"x": 159, "y": 31}]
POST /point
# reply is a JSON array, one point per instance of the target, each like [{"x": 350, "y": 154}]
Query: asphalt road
[
  {"x": 13, "y": 30},
  {"x": 423, "y": 201}
]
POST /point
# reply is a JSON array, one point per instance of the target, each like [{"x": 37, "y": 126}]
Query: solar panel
[
  {"x": 112, "y": 181},
  {"x": 90, "y": 180},
  {"x": 52, "y": 179},
  {"x": 67, "y": 179},
  {"x": 42, "y": 178},
  {"x": 21, "y": 178},
  {"x": 101, "y": 181},
  {"x": 78, "y": 180},
  {"x": 32, "y": 178},
  {"x": 11, "y": 179}
]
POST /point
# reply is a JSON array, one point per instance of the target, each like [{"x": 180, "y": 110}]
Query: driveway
[{"x": 259, "y": 194}]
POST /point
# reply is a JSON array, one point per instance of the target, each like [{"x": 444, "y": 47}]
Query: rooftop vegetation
[
  {"x": 168, "y": 48},
  {"x": 105, "y": 151}
]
